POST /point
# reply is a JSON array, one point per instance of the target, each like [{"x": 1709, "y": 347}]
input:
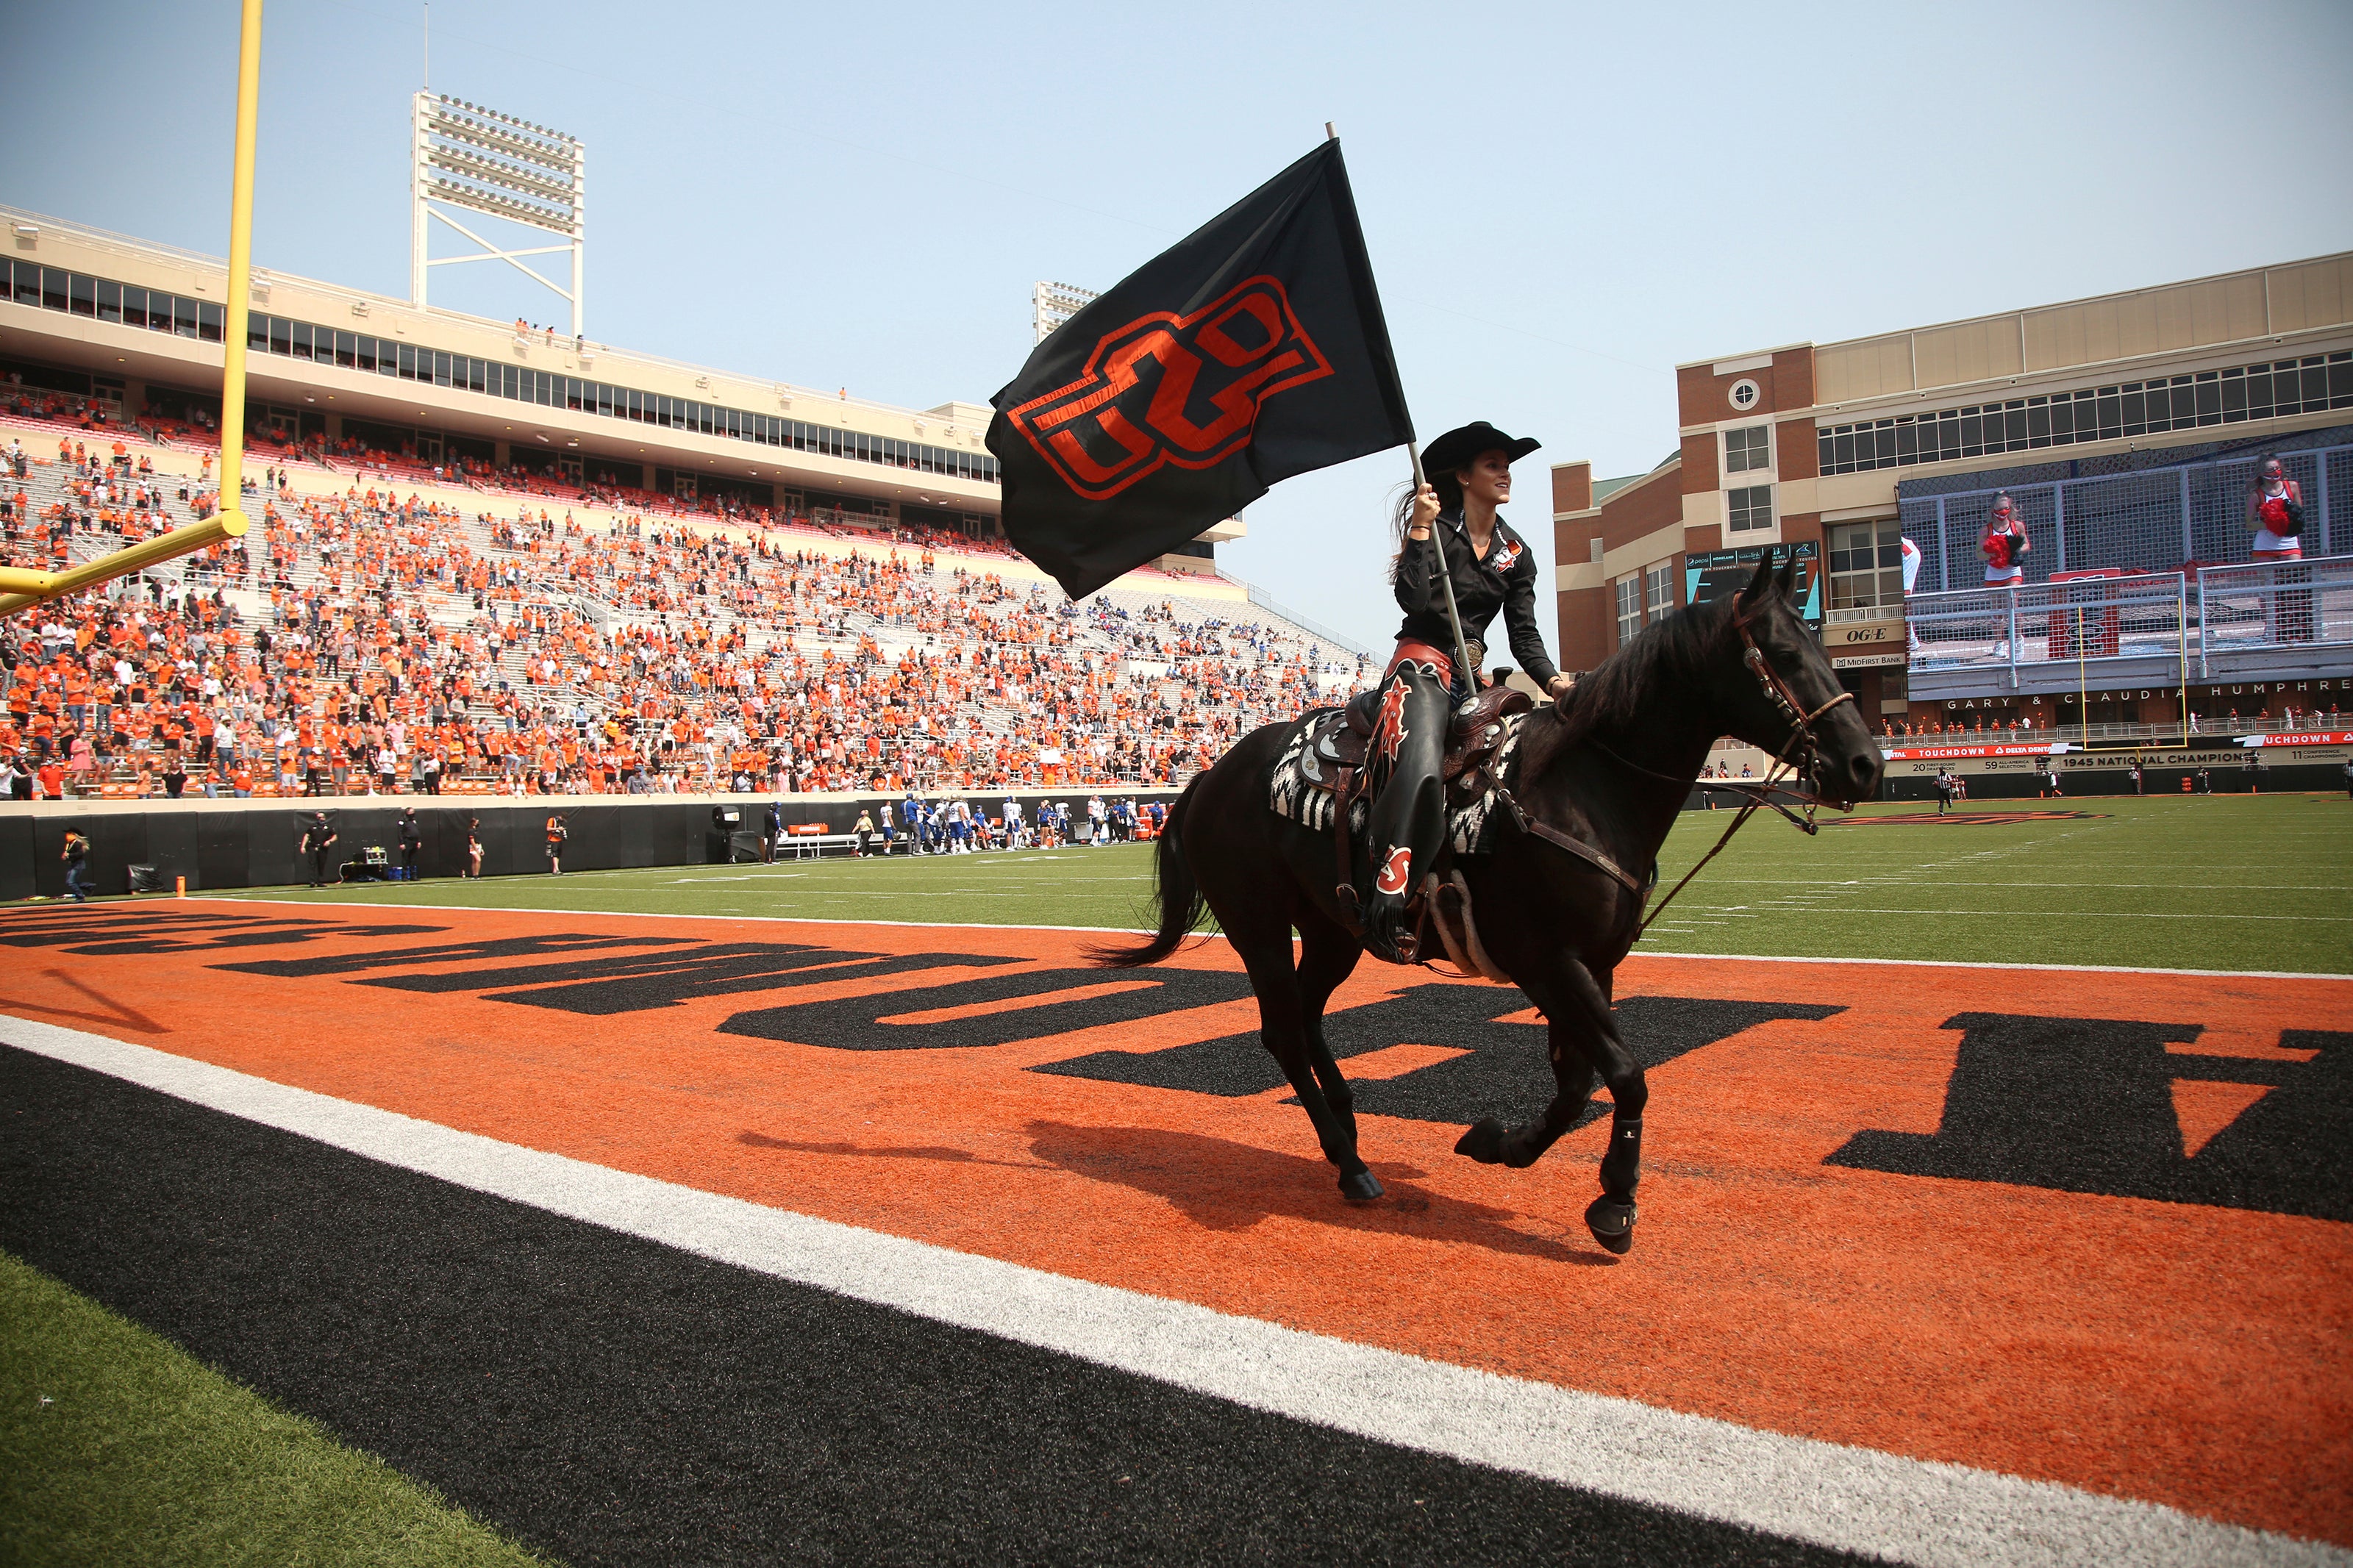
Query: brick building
[{"x": 1840, "y": 450}]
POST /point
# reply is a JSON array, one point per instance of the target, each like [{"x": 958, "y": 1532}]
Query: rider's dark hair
[{"x": 1449, "y": 487}]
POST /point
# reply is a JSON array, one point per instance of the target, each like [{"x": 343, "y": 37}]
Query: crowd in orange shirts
[{"x": 368, "y": 641}]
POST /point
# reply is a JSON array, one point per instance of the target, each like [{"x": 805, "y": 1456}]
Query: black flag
[{"x": 1251, "y": 350}]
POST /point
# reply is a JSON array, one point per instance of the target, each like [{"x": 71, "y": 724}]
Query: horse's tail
[{"x": 1181, "y": 905}]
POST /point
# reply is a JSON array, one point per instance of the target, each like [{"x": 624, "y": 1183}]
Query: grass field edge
[
  {"x": 1219, "y": 936},
  {"x": 172, "y": 1416}
]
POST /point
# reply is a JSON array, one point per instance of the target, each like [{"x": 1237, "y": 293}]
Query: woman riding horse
[
  {"x": 1469, "y": 474},
  {"x": 1598, "y": 781}
]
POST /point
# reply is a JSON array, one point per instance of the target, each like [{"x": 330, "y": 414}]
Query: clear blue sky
[{"x": 1562, "y": 202}]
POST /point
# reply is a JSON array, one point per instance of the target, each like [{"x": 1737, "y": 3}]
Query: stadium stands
[{"x": 389, "y": 625}]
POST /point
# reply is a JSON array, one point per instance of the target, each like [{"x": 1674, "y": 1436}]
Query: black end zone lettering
[
  {"x": 450, "y": 952},
  {"x": 57, "y": 929},
  {"x": 143, "y": 934},
  {"x": 666, "y": 980},
  {"x": 1503, "y": 1070},
  {"x": 2086, "y": 1105},
  {"x": 857, "y": 1023}
]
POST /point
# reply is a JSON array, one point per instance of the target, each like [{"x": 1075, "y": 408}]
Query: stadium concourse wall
[{"x": 222, "y": 844}]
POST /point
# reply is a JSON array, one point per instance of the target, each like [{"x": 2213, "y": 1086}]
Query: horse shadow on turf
[
  {"x": 1219, "y": 1184},
  {"x": 1227, "y": 1186}
]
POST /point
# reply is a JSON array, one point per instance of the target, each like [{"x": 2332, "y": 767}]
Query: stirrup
[{"x": 1400, "y": 943}]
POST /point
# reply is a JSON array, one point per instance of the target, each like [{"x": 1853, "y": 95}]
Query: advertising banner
[{"x": 1710, "y": 572}]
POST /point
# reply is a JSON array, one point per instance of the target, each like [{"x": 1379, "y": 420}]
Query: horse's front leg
[
  {"x": 1584, "y": 1037},
  {"x": 1490, "y": 1143}
]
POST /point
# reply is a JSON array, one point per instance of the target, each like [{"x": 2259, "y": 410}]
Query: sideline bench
[{"x": 809, "y": 839}]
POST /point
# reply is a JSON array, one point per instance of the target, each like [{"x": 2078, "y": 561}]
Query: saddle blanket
[{"x": 1298, "y": 790}]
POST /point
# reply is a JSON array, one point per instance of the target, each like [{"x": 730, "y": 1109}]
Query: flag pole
[
  {"x": 1446, "y": 576},
  {"x": 1438, "y": 542}
]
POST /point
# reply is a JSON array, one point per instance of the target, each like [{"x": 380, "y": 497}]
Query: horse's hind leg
[{"x": 1283, "y": 1029}]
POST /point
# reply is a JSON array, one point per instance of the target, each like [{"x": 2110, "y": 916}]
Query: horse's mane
[{"x": 1610, "y": 695}]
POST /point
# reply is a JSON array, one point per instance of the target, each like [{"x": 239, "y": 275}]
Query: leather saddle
[
  {"x": 1343, "y": 738},
  {"x": 1339, "y": 740}
]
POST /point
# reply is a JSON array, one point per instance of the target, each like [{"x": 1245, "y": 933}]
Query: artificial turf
[
  {"x": 2237, "y": 882},
  {"x": 616, "y": 1400},
  {"x": 116, "y": 1447}
]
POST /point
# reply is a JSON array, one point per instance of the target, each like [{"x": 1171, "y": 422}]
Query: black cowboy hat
[{"x": 1460, "y": 447}]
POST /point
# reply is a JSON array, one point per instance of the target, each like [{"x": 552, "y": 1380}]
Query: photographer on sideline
[{"x": 77, "y": 860}]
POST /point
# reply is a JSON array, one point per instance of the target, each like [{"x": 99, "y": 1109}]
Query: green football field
[{"x": 2234, "y": 882}]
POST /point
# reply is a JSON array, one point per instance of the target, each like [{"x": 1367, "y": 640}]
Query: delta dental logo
[{"x": 1121, "y": 421}]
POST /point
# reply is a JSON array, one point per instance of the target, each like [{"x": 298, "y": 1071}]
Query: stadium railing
[
  {"x": 2246, "y": 609},
  {"x": 2206, "y": 621}
]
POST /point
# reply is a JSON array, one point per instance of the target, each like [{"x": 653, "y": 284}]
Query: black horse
[{"x": 1608, "y": 770}]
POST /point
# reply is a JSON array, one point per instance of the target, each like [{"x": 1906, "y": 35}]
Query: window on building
[
  {"x": 2270, "y": 391},
  {"x": 27, "y": 283},
  {"x": 1749, "y": 509},
  {"x": 1630, "y": 608},
  {"x": 1866, "y": 566},
  {"x": 1748, "y": 450},
  {"x": 1658, "y": 589}
]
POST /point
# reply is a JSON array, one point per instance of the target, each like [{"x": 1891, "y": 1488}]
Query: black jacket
[{"x": 1505, "y": 581}]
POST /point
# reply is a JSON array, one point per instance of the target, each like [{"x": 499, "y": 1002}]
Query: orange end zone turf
[{"x": 2084, "y": 1227}]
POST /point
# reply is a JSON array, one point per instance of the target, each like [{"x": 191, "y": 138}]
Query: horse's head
[{"x": 1783, "y": 684}]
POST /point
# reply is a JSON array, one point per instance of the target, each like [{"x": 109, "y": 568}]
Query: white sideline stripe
[
  {"x": 2007, "y": 968},
  {"x": 1858, "y": 1500},
  {"x": 672, "y": 915},
  {"x": 1221, "y": 936}
]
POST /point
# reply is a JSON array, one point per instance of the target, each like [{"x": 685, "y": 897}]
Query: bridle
[
  {"x": 1801, "y": 753},
  {"x": 1784, "y": 697}
]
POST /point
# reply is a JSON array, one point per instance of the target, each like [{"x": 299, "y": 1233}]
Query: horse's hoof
[
  {"x": 1611, "y": 1221},
  {"x": 1484, "y": 1141},
  {"x": 1360, "y": 1187}
]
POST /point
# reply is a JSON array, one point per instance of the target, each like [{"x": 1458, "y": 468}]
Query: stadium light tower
[
  {"x": 476, "y": 158},
  {"x": 1052, "y": 304}
]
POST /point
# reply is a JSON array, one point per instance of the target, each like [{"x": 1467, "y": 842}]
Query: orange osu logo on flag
[{"x": 1198, "y": 403}]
